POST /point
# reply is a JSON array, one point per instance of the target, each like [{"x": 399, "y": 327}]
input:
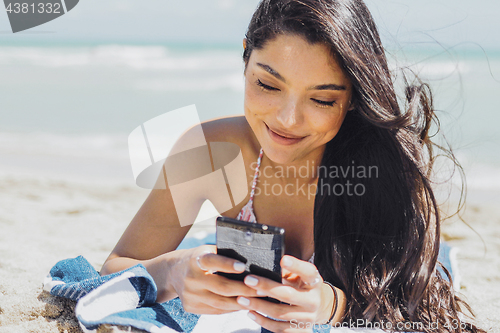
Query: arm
[
  {"x": 150, "y": 239},
  {"x": 154, "y": 234}
]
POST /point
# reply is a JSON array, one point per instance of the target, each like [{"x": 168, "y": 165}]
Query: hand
[
  {"x": 309, "y": 300},
  {"x": 201, "y": 291}
]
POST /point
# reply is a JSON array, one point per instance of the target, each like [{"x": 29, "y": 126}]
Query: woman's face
[{"x": 296, "y": 98}]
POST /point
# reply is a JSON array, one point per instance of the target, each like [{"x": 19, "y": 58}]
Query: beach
[
  {"x": 67, "y": 188},
  {"x": 44, "y": 220},
  {"x": 47, "y": 218}
]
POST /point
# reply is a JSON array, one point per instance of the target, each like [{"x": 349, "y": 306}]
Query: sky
[{"x": 401, "y": 22}]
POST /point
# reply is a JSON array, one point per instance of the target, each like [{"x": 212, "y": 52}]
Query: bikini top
[{"x": 247, "y": 213}]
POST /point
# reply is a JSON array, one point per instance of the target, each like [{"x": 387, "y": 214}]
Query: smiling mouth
[
  {"x": 284, "y": 135},
  {"x": 283, "y": 138}
]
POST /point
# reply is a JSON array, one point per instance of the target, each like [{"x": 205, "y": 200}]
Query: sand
[{"x": 44, "y": 219}]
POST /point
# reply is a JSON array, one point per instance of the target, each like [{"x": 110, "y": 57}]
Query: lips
[{"x": 283, "y": 138}]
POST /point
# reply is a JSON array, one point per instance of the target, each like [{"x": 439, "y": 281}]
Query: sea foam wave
[
  {"x": 134, "y": 57},
  {"x": 98, "y": 146},
  {"x": 234, "y": 81}
]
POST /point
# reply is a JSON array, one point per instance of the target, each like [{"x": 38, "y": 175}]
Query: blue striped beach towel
[{"x": 127, "y": 298}]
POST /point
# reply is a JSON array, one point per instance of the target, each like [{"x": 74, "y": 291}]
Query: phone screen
[{"x": 259, "y": 246}]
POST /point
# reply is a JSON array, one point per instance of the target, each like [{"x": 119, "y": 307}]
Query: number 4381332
[{"x": 41, "y": 8}]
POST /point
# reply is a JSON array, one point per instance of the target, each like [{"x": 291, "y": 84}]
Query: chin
[{"x": 280, "y": 156}]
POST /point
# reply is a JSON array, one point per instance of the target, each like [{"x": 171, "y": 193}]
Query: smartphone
[{"x": 259, "y": 246}]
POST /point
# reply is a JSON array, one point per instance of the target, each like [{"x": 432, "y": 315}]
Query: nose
[{"x": 290, "y": 114}]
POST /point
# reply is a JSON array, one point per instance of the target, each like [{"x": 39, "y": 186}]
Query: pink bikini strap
[{"x": 256, "y": 175}]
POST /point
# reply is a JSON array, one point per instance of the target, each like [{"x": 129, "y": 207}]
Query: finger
[
  {"x": 217, "y": 263},
  {"x": 281, "y": 292},
  {"x": 292, "y": 326},
  {"x": 200, "y": 252},
  {"x": 291, "y": 279},
  {"x": 283, "y": 312},
  {"x": 223, "y": 303},
  {"x": 307, "y": 272},
  {"x": 207, "y": 302},
  {"x": 223, "y": 286}
]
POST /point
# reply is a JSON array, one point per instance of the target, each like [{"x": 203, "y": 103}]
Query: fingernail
[
  {"x": 261, "y": 293},
  {"x": 287, "y": 261},
  {"x": 315, "y": 282},
  {"x": 244, "y": 301},
  {"x": 251, "y": 316},
  {"x": 239, "y": 266},
  {"x": 251, "y": 281}
]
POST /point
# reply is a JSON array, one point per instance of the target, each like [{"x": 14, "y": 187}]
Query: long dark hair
[{"x": 380, "y": 243}]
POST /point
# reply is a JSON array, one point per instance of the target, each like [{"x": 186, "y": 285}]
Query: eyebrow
[{"x": 277, "y": 75}]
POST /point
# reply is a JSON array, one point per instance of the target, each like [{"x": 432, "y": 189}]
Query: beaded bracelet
[{"x": 336, "y": 302}]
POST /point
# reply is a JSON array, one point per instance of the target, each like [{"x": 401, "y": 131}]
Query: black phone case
[{"x": 259, "y": 246}]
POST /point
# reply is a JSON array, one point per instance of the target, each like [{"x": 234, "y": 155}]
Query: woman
[{"x": 318, "y": 92}]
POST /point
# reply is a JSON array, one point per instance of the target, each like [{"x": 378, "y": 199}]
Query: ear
[
  {"x": 244, "y": 43},
  {"x": 352, "y": 105}
]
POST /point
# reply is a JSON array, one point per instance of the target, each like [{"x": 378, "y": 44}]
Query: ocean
[{"x": 67, "y": 108}]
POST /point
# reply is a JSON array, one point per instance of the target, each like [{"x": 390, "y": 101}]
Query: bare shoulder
[{"x": 233, "y": 129}]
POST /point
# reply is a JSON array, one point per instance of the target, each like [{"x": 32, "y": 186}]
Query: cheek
[
  {"x": 251, "y": 99},
  {"x": 252, "y": 107},
  {"x": 257, "y": 101},
  {"x": 328, "y": 125}
]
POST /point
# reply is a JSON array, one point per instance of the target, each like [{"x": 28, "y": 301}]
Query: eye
[
  {"x": 265, "y": 86},
  {"x": 323, "y": 103}
]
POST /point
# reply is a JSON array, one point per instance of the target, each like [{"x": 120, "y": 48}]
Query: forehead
[{"x": 294, "y": 58}]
